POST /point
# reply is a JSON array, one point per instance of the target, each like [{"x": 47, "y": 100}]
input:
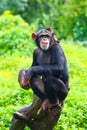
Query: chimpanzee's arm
[
  {"x": 25, "y": 76},
  {"x": 56, "y": 67}
]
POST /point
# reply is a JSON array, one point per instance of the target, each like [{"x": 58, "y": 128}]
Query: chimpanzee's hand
[{"x": 24, "y": 79}]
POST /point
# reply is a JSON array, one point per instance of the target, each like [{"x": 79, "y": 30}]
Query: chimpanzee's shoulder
[
  {"x": 36, "y": 51},
  {"x": 56, "y": 46}
]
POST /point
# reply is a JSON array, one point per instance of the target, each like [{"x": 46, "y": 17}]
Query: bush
[
  {"x": 67, "y": 17},
  {"x": 15, "y": 34},
  {"x": 11, "y": 93},
  {"x": 72, "y": 23},
  {"x": 74, "y": 114}
]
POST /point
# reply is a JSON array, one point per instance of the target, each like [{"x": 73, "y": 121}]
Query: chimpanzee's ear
[
  {"x": 53, "y": 34},
  {"x": 33, "y": 36},
  {"x": 49, "y": 29}
]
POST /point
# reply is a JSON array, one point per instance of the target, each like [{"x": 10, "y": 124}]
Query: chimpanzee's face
[{"x": 44, "y": 41}]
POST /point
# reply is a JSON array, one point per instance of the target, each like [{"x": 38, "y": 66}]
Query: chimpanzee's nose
[{"x": 44, "y": 39}]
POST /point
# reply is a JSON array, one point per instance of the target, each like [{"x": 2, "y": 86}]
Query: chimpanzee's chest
[{"x": 44, "y": 58}]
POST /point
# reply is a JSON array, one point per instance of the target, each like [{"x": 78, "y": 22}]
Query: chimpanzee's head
[{"x": 44, "y": 38}]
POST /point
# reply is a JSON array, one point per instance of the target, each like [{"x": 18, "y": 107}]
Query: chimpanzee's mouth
[{"x": 44, "y": 43}]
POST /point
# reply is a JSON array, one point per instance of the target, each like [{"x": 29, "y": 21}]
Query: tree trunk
[{"x": 46, "y": 120}]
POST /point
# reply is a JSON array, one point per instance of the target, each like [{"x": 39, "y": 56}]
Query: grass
[{"x": 12, "y": 97}]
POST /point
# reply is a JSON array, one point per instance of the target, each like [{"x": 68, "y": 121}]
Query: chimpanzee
[{"x": 48, "y": 75}]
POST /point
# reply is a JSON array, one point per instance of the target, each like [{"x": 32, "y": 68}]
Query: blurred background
[
  {"x": 18, "y": 19},
  {"x": 67, "y": 17}
]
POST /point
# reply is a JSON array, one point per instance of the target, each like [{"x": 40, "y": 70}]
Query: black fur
[{"x": 52, "y": 66}]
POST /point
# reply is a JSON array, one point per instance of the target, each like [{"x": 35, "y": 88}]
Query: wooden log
[{"x": 46, "y": 120}]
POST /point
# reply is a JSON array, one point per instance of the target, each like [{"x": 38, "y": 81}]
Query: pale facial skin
[{"x": 44, "y": 42}]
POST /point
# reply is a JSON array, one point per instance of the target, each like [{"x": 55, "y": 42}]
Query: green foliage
[
  {"x": 15, "y": 5},
  {"x": 12, "y": 97},
  {"x": 68, "y": 18},
  {"x": 74, "y": 114},
  {"x": 72, "y": 22},
  {"x": 14, "y": 34}
]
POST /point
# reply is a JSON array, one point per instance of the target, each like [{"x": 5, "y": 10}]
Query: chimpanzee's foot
[
  {"x": 53, "y": 104},
  {"x": 44, "y": 106},
  {"x": 58, "y": 103},
  {"x": 47, "y": 105}
]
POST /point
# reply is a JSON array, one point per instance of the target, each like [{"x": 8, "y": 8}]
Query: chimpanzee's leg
[
  {"x": 37, "y": 86},
  {"x": 55, "y": 89}
]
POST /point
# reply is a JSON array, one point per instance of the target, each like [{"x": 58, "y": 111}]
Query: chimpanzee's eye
[
  {"x": 47, "y": 36},
  {"x": 41, "y": 36},
  {"x": 44, "y": 36}
]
